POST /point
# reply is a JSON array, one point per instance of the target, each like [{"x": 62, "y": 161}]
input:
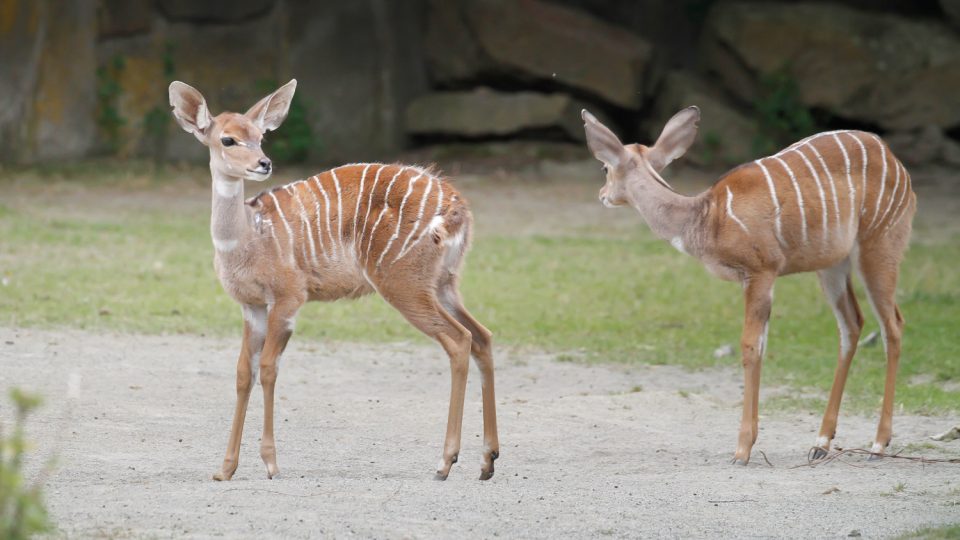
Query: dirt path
[{"x": 587, "y": 450}]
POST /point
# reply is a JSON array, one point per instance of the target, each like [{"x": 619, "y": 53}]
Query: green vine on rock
[
  {"x": 109, "y": 119},
  {"x": 781, "y": 116},
  {"x": 294, "y": 142}
]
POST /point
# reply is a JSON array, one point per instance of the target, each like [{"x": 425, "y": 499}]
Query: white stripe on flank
[
  {"x": 356, "y": 211},
  {"x": 423, "y": 202},
  {"x": 833, "y": 184},
  {"x": 336, "y": 183},
  {"x": 903, "y": 197},
  {"x": 863, "y": 176},
  {"x": 386, "y": 206},
  {"x": 808, "y": 140},
  {"x": 326, "y": 217},
  {"x": 883, "y": 180},
  {"x": 285, "y": 224},
  {"x": 776, "y": 203},
  {"x": 319, "y": 215},
  {"x": 730, "y": 211},
  {"x": 893, "y": 194},
  {"x": 823, "y": 199},
  {"x": 436, "y": 221},
  {"x": 403, "y": 202},
  {"x": 853, "y": 194},
  {"x": 796, "y": 187},
  {"x": 306, "y": 225},
  {"x": 373, "y": 190},
  {"x": 303, "y": 246}
]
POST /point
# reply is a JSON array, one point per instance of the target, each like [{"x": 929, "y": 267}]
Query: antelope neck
[
  {"x": 669, "y": 214},
  {"x": 228, "y": 218}
]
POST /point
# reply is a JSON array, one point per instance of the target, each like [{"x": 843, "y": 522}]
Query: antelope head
[
  {"x": 234, "y": 139},
  {"x": 635, "y": 164}
]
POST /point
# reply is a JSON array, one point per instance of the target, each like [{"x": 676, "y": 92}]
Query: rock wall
[
  {"x": 87, "y": 77},
  {"x": 358, "y": 63},
  {"x": 47, "y": 71}
]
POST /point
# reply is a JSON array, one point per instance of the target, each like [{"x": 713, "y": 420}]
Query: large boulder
[
  {"x": 143, "y": 66},
  {"x": 47, "y": 80},
  {"x": 882, "y": 69},
  {"x": 353, "y": 85},
  {"x": 487, "y": 113},
  {"x": 952, "y": 10},
  {"x": 533, "y": 40},
  {"x": 358, "y": 65},
  {"x": 217, "y": 11},
  {"x": 117, "y": 18},
  {"x": 727, "y": 135},
  {"x": 924, "y": 146}
]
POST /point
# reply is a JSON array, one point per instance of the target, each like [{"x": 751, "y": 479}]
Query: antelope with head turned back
[
  {"x": 827, "y": 204},
  {"x": 401, "y": 231}
]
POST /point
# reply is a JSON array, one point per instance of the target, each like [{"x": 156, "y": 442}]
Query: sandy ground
[{"x": 587, "y": 451}]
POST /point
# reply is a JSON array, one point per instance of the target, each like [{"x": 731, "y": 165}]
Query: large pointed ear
[
  {"x": 675, "y": 139},
  {"x": 605, "y": 146},
  {"x": 271, "y": 111},
  {"x": 190, "y": 109}
]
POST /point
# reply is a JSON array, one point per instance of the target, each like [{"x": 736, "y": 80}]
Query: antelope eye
[
  {"x": 604, "y": 169},
  {"x": 227, "y": 141}
]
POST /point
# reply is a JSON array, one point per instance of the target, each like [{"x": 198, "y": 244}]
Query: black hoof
[
  {"x": 875, "y": 457},
  {"x": 440, "y": 477},
  {"x": 486, "y": 475},
  {"x": 737, "y": 461},
  {"x": 816, "y": 453}
]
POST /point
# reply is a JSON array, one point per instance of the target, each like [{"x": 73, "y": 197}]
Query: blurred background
[
  {"x": 85, "y": 78},
  {"x": 104, "y": 201}
]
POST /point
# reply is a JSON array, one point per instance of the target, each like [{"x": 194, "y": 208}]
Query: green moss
[
  {"x": 780, "y": 115},
  {"x": 293, "y": 142}
]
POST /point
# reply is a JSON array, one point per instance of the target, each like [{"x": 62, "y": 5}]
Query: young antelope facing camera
[
  {"x": 401, "y": 231},
  {"x": 829, "y": 203}
]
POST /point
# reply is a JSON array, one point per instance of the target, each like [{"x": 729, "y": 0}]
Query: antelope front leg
[
  {"x": 254, "y": 329},
  {"x": 758, "y": 296},
  {"x": 280, "y": 323}
]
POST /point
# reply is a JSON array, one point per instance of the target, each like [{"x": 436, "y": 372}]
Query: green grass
[
  {"x": 628, "y": 298},
  {"x": 946, "y": 532}
]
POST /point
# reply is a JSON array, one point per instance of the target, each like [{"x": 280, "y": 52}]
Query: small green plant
[
  {"x": 712, "y": 144},
  {"x": 22, "y": 512},
  {"x": 294, "y": 142},
  {"x": 157, "y": 120},
  {"x": 780, "y": 115},
  {"x": 109, "y": 119}
]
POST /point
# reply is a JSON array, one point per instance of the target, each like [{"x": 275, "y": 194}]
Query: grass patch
[
  {"x": 633, "y": 299},
  {"x": 946, "y": 532}
]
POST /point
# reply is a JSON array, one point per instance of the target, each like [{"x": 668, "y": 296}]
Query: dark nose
[{"x": 265, "y": 163}]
